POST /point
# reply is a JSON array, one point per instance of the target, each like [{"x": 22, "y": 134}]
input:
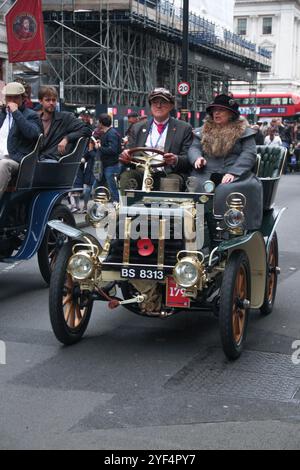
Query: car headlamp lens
[
  {"x": 209, "y": 186},
  {"x": 81, "y": 266},
  {"x": 186, "y": 273},
  {"x": 97, "y": 212},
  {"x": 234, "y": 218}
]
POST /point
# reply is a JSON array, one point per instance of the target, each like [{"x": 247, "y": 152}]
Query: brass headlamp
[
  {"x": 234, "y": 218},
  {"x": 189, "y": 271}
]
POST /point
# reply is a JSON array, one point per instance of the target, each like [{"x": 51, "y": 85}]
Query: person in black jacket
[
  {"x": 61, "y": 129},
  {"x": 85, "y": 177},
  {"x": 19, "y": 130},
  {"x": 259, "y": 137},
  {"x": 110, "y": 149}
]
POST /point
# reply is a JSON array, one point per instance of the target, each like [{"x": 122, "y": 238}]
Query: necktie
[{"x": 160, "y": 128}]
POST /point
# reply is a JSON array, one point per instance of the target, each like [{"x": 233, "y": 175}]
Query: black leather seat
[
  {"x": 272, "y": 159},
  {"x": 60, "y": 174},
  {"x": 269, "y": 169},
  {"x": 23, "y": 180}
]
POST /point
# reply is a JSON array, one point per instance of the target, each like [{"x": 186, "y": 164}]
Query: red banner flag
[{"x": 25, "y": 31}]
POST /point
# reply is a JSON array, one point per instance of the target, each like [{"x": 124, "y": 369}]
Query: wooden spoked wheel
[
  {"x": 239, "y": 313},
  {"x": 235, "y": 299},
  {"x": 74, "y": 313},
  {"x": 70, "y": 308}
]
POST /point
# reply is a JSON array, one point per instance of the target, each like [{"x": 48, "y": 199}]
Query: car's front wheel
[
  {"x": 235, "y": 304},
  {"x": 70, "y": 308}
]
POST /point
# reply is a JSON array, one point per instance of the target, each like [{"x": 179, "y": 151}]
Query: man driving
[
  {"x": 163, "y": 132},
  {"x": 19, "y": 130}
]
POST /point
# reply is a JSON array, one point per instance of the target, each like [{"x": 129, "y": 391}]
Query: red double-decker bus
[{"x": 269, "y": 105}]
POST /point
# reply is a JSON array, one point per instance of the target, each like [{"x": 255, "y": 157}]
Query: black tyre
[
  {"x": 70, "y": 308},
  {"x": 233, "y": 315},
  {"x": 53, "y": 241},
  {"x": 272, "y": 277}
]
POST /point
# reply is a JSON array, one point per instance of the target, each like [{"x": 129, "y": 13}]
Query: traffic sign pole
[{"x": 185, "y": 54}]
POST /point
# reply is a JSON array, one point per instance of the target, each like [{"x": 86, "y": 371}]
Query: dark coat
[
  {"x": 240, "y": 162},
  {"x": 259, "y": 138},
  {"x": 111, "y": 147},
  {"x": 24, "y": 132},
  {"x": 64, "y": 124},
  {"x": 179, "y": 139},
  {"x": 85, "y": 174}
]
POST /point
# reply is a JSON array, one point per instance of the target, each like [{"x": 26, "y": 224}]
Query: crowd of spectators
[{"x": 281, "y": 133}]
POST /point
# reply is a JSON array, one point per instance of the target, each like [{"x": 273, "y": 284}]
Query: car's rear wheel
[
  {"x": 53, "y": 241},
  {"x": 234, "y": 304},
  {"x": 69, "y": 307},
  {"x": 272, "y": 277}
]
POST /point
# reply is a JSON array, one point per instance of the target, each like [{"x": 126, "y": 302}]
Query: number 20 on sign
[{"x": 183, "y": 88}]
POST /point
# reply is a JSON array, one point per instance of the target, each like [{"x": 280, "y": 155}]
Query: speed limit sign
[{"x": 184, "y": 88}]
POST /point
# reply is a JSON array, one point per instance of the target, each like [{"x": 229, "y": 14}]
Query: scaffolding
[{"x": 115, "y": 52}]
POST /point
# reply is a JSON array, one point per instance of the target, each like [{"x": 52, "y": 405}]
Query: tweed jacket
[{"x": 178, "y": 140}]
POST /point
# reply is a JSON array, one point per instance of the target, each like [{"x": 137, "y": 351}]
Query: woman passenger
[{"x": 224, "y": 150}]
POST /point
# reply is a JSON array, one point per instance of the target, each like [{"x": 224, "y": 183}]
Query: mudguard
[
  {"x": 41, "y": 208},
  {"x": 270, "y": 222},
  {"x": 254, "y": 246}
]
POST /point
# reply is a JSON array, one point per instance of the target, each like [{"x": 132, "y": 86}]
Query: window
[
  {"x": 242, "y": 26},
  {"x": 263, "y": 101},
  {"x": 267, "y": 25},
  {"x": 275, "y": 101}
]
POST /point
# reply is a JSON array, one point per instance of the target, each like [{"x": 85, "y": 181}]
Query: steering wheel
[{"x": 145, "y": 157}]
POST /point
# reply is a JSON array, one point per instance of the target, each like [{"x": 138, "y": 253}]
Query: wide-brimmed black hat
[{"x": 226, "y": 102}]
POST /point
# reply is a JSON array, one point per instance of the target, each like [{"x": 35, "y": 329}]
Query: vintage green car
[{"x": 162, "y": 251}]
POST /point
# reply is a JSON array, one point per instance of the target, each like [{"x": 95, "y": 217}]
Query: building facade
[
  {"x": 275, "y": 26},
  {"x": 5, "y": 67},
  {"x": 115, "y": 52},
  {"x": 220, "y": 12},
  {"x": 3, "y": 52}
]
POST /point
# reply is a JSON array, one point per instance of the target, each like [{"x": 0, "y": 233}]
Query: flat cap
[
  {"x": 13, "y": 89},
  {"x": 161, "y": 93}
]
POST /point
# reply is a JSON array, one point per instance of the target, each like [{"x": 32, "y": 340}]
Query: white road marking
[{"x": 10, "y": 267}]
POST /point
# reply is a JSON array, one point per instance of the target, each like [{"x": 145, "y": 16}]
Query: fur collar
[{"x": 218, "y": 141}]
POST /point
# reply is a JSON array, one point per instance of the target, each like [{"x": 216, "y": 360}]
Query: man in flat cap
[
  {"x": 19, "y": 130},
  {"x": 163, "y": 132}
]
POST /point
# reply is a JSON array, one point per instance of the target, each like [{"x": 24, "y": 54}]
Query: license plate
[
  {"x": 175, "y": 296},
  {"x": 152, "y": 274}
]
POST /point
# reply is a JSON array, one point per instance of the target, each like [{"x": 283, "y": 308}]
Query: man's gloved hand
[
  {"x": 170, "y": 159},
  {"x": 125, "y": 157}
]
